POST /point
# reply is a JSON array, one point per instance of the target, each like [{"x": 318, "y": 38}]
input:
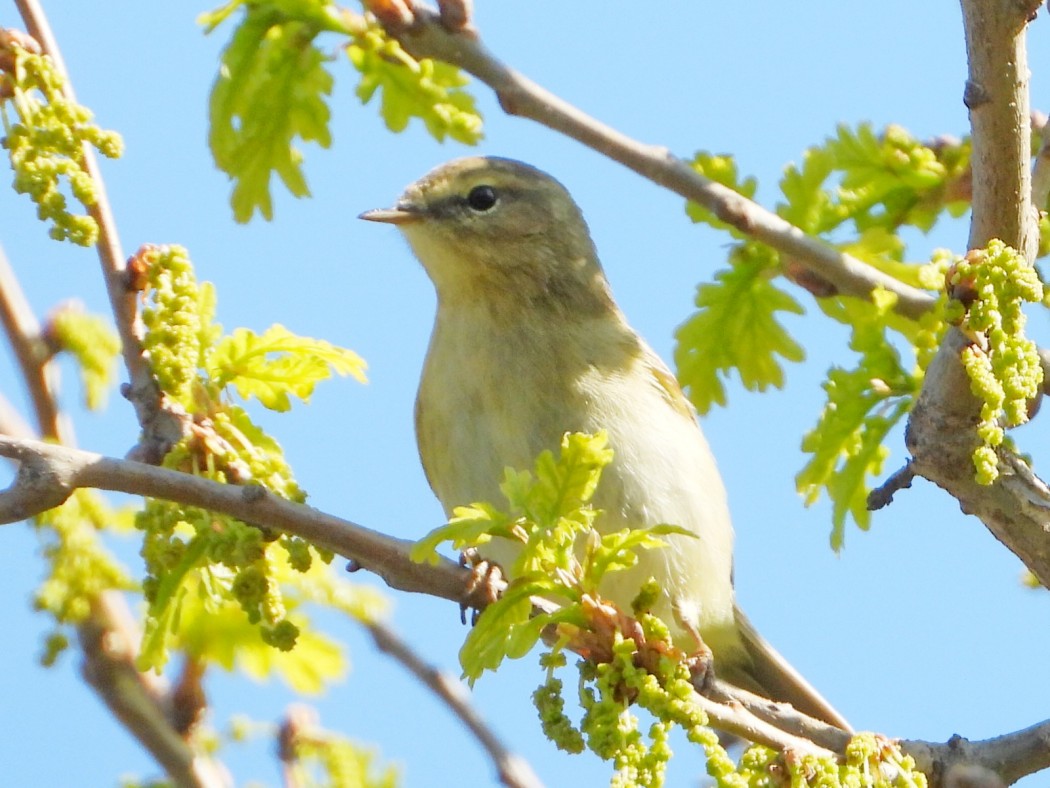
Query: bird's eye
[{"x": 482, "y": 198}]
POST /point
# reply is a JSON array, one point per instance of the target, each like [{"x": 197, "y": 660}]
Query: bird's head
[{"x": 492, "y": 228}]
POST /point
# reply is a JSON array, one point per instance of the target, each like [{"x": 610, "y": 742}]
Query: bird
[{"x": 529, "y": 344}]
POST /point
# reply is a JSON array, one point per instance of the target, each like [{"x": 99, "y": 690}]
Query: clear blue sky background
[{"x": 919, "y": 628}]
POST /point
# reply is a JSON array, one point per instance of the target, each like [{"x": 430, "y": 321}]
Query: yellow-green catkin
[
  {"x": 45, "y": 133},
  {"x": 1002, "y": 363}
]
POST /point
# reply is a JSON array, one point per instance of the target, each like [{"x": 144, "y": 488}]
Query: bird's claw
[{"x": 484, "y": 586}]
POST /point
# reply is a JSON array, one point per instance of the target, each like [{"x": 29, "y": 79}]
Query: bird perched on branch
[{"x": 528, "y": 344}]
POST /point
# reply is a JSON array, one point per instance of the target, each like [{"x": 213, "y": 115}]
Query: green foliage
[
  {"x": 409, "y": 88},
  {"x": 90, "y": 340},
  {"x": 736, "y": 328},
  {"x": 864, "y": 403},
  {"x": 562, "y": 556},
  {"x": 270, "y": 91},
  {"x": 81, "y": 569},
  {"x": 201, "y": 565},
  {"x": 274, "y": 82},
  {"x": 856, "y": 192},
  {"x": 45, "y": 134},
  {"x": 663, "y": 688},
  {"x": 884, "y": 181},
  {"x": 1002, "y": 363},
  {"x": 278, "y": 363},
  {"x": 870, "y": 762},
  {"x": 875, "y": 183}
]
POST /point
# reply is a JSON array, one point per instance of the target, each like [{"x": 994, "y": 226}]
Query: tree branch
[
  {"x": 729, "y": 708},
  {"x": 49, "y": 473},
  {"x": 160, "y": 428},
  {"x": 1011, "y": 756},
  {"x": 427, "y": 37},
  {"x": 941, "y": 431},
  {"x": 31, "y": 353},
  {"x": 11, "y": 421},
  {"x": 109, "y": 639},
  {"x": 514, "y": 771}
]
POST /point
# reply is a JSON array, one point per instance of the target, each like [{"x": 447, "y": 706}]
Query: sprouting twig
[
  {"x": 109, "y": 639},
  {"x": 49, "y": 473},
  {"x": 940, "y": 434},
  {"x": 160, "y": 428}
]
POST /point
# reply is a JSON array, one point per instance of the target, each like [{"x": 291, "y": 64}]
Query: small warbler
[{"x": 528, "y": 344}]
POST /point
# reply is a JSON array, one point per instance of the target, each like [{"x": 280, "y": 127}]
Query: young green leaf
[
  {"x": 410, "y": 88},
  {"x": 278, "y": 364},
  {"x": 736, "y": 328},
  {"x": 94, "y": 344},
  {"x": 863, "y": 404},
  {"x": 270, "y": 91}
]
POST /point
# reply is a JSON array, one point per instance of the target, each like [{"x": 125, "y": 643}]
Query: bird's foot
[{"x": 484, "y": 587}]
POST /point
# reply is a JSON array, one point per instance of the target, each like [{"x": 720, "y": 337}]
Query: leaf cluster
[
  {"x": 81, "y": 568},
  {"x": 94, "y": 345},
  {"x": 272, "y": 89},
  {"x": 409, "y": 88},
  {"x": 857, "y": 192},
  {"x": 204, "y": 568},
  {"x": 561, "y": 555}
]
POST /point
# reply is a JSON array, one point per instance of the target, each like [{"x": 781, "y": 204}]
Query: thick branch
[
  {"x": 1011, "y": 756},
  {"x": 514, "y": 771},
  {"x": 942, "y": 435},
  {"x": 941, "y": 431},
  {"x": 428, "y": 38}
]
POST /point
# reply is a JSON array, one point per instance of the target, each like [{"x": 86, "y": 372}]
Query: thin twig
[
  {"x": 759, "y": 720},
  {"x": 11, "y": 421},
  {"x": 34, "y": 360},
  {"x": 428, "y": 38},
  {"x": 160, "y": 428},
  {"x": 882, "y": 495},
  {"x": 109, "y": 639},
  {"x": 108, "y": 647},
  {"x": 513, "y": 770}
]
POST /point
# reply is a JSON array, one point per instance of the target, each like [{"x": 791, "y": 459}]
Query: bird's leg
[{"x": 700, "y": 660}]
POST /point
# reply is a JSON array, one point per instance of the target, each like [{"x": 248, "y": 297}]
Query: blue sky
[{"x": 919, "y": 628}]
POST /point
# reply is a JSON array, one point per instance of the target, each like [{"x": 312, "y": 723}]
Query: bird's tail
[{"x": 778, "y": 681}]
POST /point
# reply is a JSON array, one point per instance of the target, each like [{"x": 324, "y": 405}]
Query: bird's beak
[{"x": 400, "y": 214}]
